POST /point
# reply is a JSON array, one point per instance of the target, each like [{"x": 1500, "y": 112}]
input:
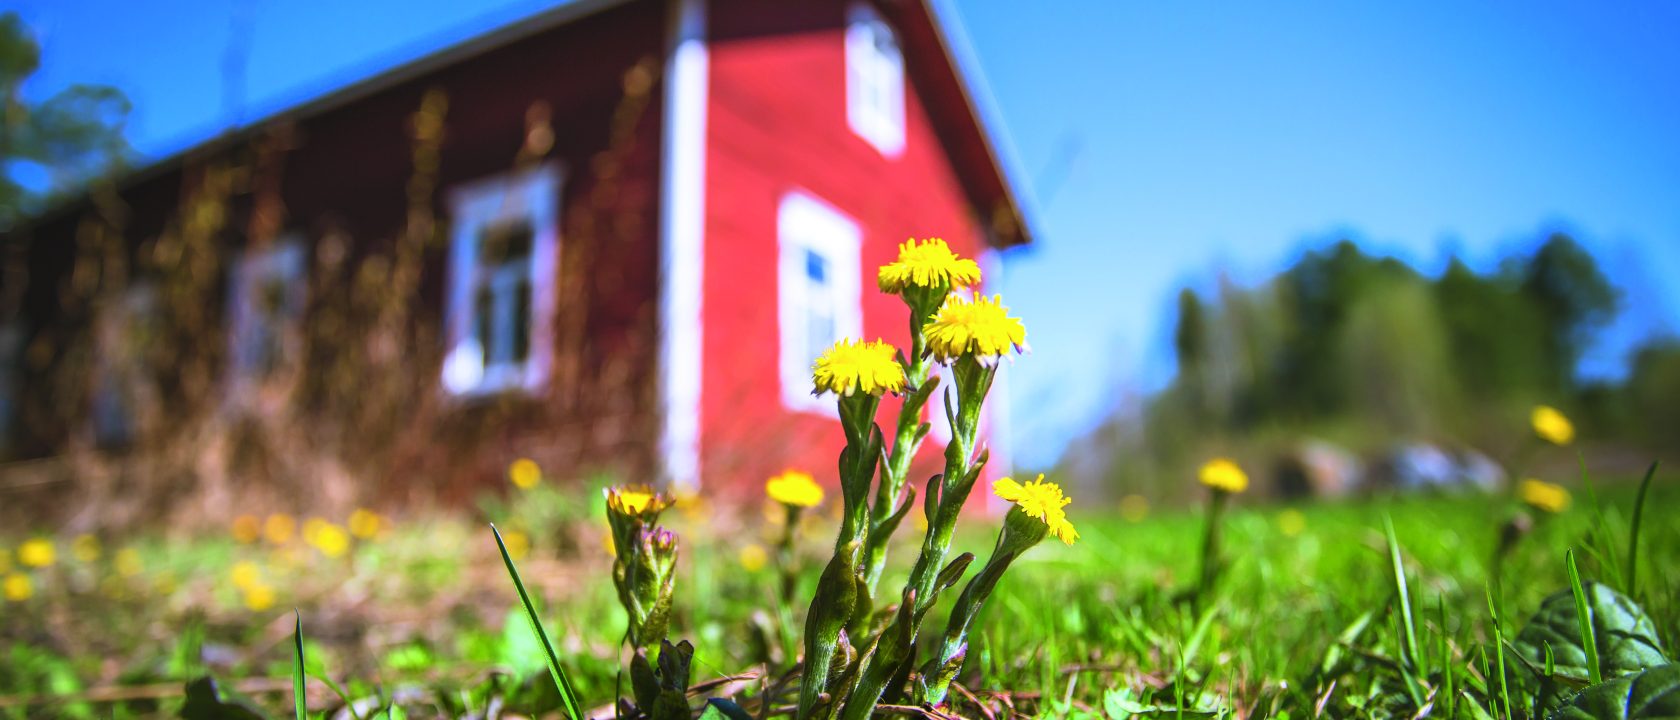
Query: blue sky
[{"x": 1166, "y": 143}]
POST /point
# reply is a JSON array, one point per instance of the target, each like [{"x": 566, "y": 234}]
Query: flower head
[
  {"x": 853, "y": 365},
  {"x": 1041, "y": 500},
  {"x": 1551, "y": 425},
  {"x": 754, "y": 557},
  {"x": 127, "y": 562},
  {"x": 1223, "y": 474},
  {"x": 638, "y": 501},
  {"x": 795, "y": 489},
  {"x": 365, "y": 523},
  {"x": 927, "y": 264},
  {"x": 18, "y": 587},
  {"x": 246, "y": 529},
  {"x": 278, "y": 528},
  {"x": 524, "y": 473},
  {"x": 37, "y": 553},
  {"x": 1543, "y": 495},
  {"x": 980, "y": 326}
]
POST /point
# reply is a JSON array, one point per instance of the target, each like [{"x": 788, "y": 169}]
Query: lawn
[{"x": 1303, "y": 618}]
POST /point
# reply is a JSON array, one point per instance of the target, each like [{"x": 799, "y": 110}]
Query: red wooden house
[{"x": 635, "y": 224}]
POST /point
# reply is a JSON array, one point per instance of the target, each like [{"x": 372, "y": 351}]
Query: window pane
[
  {"x": 522, "y": 320},
  {"x": 484, "y": 318},
  {"x": 816, "y": 267}
]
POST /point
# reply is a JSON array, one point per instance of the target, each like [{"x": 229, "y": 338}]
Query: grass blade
[
  {"x": 297, "y": 666},
  {"x": 1633, "y": 534},
  {"x": 1499, "y": 652},
  {"x": 568, "y": 696},
  {"x": 1402, "y": 594},
  {"x": 1583, "y": 615}
]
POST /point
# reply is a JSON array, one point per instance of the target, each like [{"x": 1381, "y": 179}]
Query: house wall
[
  {"x": 776, "y": 122},
  {"x": 345, "y": 171}
]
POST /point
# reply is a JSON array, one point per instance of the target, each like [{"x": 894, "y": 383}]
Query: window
[
  {"x": 266, "y": 295},
  {"x": 503, "y": 260},
  {"x": 818, "y": 296},
  {"x": 11, "y": 343},
  {"x": 125, "y": 332},
  {"x": 874, "y": 81}
]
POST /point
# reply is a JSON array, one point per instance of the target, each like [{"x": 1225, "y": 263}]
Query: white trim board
[{"x": 682, "y": 245}]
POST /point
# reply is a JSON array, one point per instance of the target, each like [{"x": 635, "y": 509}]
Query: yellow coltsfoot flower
[
  {"x": 795, "y": 489},
  {"x": 37, "y": 553},
  {"x": 927, "y": 264},
  {"x": 365, "y": 523},
  {"x": 981, "y": 327},
  {"x": 278, "y": 528},
  {"x": 246, "y": 529},
  {"x": 1543, "y": 495},
  {"x": 637, "y": 501},
  {"x": 1041, "y": 500},
  {"x": 1551, "y": 425},
  {"x": 1223, "y": 474},
  {"x": 18, "y": 587},
  {"x": 524, "y": 473},
  {"x": 854, "y": 365}
]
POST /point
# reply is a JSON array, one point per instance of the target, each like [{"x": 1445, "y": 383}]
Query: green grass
[{"x": 1362, "y": 615}]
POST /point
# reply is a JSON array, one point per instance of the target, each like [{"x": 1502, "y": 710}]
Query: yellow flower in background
[
  {"x": 85, "y": 548},
  {"x": 246, "y": 529},
  {"x": 1134, "y": 508},
  {"x": 929, "y": 264},
  {"x": 1551, "y": 425},
  {"x": 1223, "y": 474},
  {"x": 854, "y": 365},
  {"x": 245, "y": 575},
  {"x": 1040, "y": 500},
  {"x": 18, "y": 587},
  {"x": 794, "y": 488},
  {"x": 278, "y": 528},
  {"x": 37, "y": 553},
  {"x": 524, "y": 473},
  {"x": 330, "y": 539},
  {"x": 258, "y": 597},
  {"x": 980, "y": 326},
  {"x": 518, "y": 544},
  {"x": 127, "y": 562},
  {"x": 1543, "y": 495},
  {"x": 754, "y": 557},
  {"x": 365, "y": 523},
  {"x": 1291, "y": 522},
  {"x": 640, "y": 500}
]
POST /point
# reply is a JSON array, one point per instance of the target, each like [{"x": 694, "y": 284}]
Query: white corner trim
[{"x": 682, "y": 244}]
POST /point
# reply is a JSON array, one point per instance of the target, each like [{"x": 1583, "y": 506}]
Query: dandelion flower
[
  {"x": 127, "y": 562},
  {"x": 794, "y": 488},
  {"x": 927, "y": 264},
  {"x": 636, "y": 501},
  {"x": 330, "y": 539},
  {"x": 37, "y": 553},
  {"x": 258, "y": 598},
  {"x": 1041, "y": 500},
  {"x": 278, "y": 528},
  {"x": 753, "y": 557},
  {"x": 245, "y": 575},
  {"x": 85, "y": 548},
  {"x": 1224, "y": 474},
  {"x": 1543, "y": 495},
  {"x": 980, "y": 326},
  {"x": 246, "y": 529},
  {"x": 18, "y": 587},
  {"x": 524, "y": 473},
  {"x": 365, "y": 523},
  {"x": 853, "y": 365},
  {"x": 518, "y": 544},
  {"x": 1551, "y": 425}
]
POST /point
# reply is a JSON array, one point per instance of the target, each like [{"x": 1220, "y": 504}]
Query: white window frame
[
  {"x": 530, "y": 196},
  {"x": 875, "y": 87},
  {"x": 805, "y": 225},
  {"x": 286, "y": 262}
]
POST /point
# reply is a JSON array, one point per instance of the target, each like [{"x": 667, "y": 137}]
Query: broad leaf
[
  {"x": 1625, "y": 639},
  {"x": 1649, "y": 695},
  {"x": 206, "y": 700}
]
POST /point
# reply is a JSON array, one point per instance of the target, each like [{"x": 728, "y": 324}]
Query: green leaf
[
  {"x": 721, "y": 709},
  {"x": 298, "y": 697},
  {"x": 1649, "y": 695},
  {"x": 1624, "y": 637},
  {"x": 568, "y": 695}
]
